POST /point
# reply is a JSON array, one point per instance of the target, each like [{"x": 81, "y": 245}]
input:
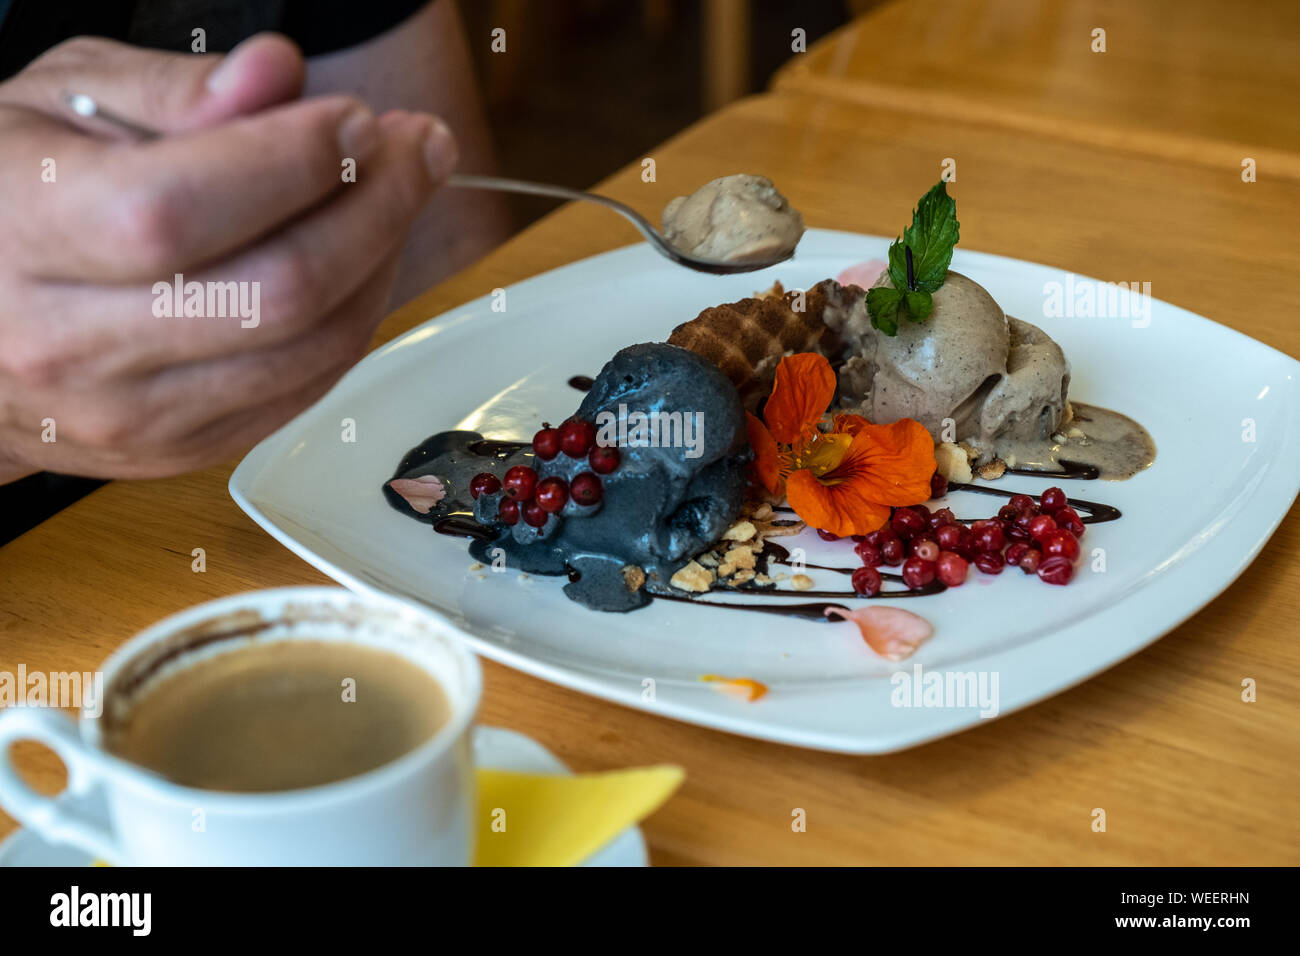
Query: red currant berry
[
  {"x": 927, "y": 549},
  {"x": 1008, "y": 513},
  {"x": 1069, "y": 519},
  {"x": 949, "y": 536},
  {"x": 508, "y": 511},
  {"x": 917, "y": 572},
  {"x": 938, "y": 485},
  {"x": 603, "y": 459},
  {"x": 577, "y": 437},
  {"x": 484, "y": 484},
  {"x": 827, "y": 535},
  {"x": 586, "y": 489},
  {"x": 1053, "y": 499},
  {"x": 943, "y": 516},
  {"x": 951, "y": 569},
  {"x": 546, "y": 443},
  {"x": 1022, "y": 503},
  {"x": 868, "y": 552},
  {"x": 1056, "y": 570},
  {"x": 534, "y": 514},
  {"x": 907, "y": 523},
  {"x": 891, "y": 550},
  {"x": 1030, "y": 560},
  {"x": 520, "y": 482},
  {"x": 552, "y": 494},
  {"x": 1040, "y": 526},
  {"x": 1060, "y": 543},
  {"x": 1014, "y": 553},
  {"x": 866, "y": 581},
  {"x": 921, "y": 510},
  {"x": 990, "y": 562},
  {"x": 988, "y": 538}
]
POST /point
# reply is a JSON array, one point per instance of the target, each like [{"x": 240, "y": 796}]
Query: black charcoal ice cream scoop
[{"x": 680, "y": 432}]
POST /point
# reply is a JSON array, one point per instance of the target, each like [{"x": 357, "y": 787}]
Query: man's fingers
[
  {"x": 280, "y": 289},
  {"x": 141, "y": 212},
  {"x": 169, "y": 92},
  {"x": 154, "y": 426}
]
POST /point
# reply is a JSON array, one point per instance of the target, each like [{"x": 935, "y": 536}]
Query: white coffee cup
[{"x": 415, "y": 810}]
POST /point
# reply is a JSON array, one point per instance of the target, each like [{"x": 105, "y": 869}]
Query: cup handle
[{"x": 53, "y": 819}]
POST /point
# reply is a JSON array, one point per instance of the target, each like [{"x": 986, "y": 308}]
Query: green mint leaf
[
  {"x": 917, "y": 305},
  {"x": 882, "y": 305},
  {"x": 898, "y": 264},
  {"x": 932, "y": 235}
]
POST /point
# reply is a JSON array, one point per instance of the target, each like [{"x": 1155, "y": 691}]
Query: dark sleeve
[{"x": 29, "y": 27}]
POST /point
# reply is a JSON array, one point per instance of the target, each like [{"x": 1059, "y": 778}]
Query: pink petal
[
  {"x": 864, "y": 274},
  {"x": 891, "y": 632},
  {"x": 420, "y": 493}
]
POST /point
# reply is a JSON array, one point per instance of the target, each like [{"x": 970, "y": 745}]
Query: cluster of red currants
[
  {"x": 1038, "y": 537},
  {"x": 534, "y": 498}
]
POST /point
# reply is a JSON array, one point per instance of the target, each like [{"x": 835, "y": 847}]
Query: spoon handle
[{"x": 473, "y": 181}]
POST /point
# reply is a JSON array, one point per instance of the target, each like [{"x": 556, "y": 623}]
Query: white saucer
[{"x": 494, "y": 747}]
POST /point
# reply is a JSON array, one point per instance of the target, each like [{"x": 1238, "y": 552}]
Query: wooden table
[
  {"x": 1193, "y": 80},
  {"x": 1186, "y": 772}
]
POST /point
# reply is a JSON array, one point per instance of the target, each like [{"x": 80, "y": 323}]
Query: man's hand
[{"x": 245, "y": 186}]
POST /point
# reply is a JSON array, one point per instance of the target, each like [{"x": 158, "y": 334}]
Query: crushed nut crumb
[
  {"x": 801, "y": 582},
  {"x": 692, "y": 577},
  {"x": 741, "y": 556},
  {"x": 953, "y": 462},
  {"x": 740, "y": 531},
  {"x": 633, "y": 577}
]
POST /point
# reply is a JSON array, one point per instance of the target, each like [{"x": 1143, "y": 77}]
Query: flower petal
[
  {"x": 891, "y": 632},
  {"x": 746, "y": 688},
  {"x": 888, "y": 464},
  {"x": 804, "y": 387},
  {"x": 765, "y": 467},
  {"x": 420, "y": 493},
  {"x": 864, "y": 274},
  {"x": 845, "y": 508}
]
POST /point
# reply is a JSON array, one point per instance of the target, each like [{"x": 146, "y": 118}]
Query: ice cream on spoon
[{"x": 737, "y": 218}]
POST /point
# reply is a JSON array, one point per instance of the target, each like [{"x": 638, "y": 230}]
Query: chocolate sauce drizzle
[
  {"x": 1069, "y": 469},
  {"x": 461, "y": 524},
  {"x": 492, "y": 448}
]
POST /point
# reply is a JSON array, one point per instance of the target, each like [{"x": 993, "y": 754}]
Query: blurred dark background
[{"x": 587, "y": 86}]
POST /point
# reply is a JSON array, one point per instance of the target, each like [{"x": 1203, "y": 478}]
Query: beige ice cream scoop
[
  {"x": 996, "y": 380},
  {"x": 736, "y": 218}
]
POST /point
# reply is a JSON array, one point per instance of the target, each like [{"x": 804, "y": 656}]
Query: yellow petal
[{"x": 560, "y": 820}]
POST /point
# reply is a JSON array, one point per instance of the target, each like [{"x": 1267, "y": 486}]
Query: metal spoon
[{"x": 84, "y": 105}]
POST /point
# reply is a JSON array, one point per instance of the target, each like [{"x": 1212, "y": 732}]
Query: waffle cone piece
[{"x": 748, "y": 339}]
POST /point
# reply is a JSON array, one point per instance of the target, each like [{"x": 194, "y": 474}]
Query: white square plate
[{"x": 1191, "y": 523}]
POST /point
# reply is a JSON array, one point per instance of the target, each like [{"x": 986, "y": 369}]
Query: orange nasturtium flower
[{"x": 840, "y": 475}]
